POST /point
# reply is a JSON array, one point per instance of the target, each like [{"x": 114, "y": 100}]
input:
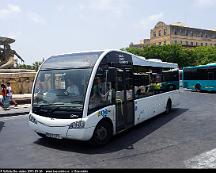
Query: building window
[
  {"x": 186, "y": 33},
  {"x": 159, "y": 43},
  {"x": 164, "y": 42},
  {"x": 192, "y": 34},
  {"x": 181, "y": 42},
  {"x": 165, "y": 32},
  {"x": 201, "y": 35},
  {"x": 196, "y": 44},
  {"x": 159, "y": 33},
  {"x": 206, "y": 36},
  {"x": 201, "y": 44},
  {"x": 206, "y": 44},
  {"x": 214, "y": 44},
  {"x": 191, "y": 43},
  {"x": 186, "y": 42},
  {"x": 154, "y": 34},
  {"x": 175, "y": 32},
  {"x": 175, "y": 41}
]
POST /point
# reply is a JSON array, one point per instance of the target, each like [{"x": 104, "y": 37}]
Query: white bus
[{"x": 91, "y": 96}]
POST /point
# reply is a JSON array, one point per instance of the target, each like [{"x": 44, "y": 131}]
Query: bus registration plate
[{"x": 56, "y": 136}]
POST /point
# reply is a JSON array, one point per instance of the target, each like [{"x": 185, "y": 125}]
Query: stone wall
[{"x": 21, "y": 82}]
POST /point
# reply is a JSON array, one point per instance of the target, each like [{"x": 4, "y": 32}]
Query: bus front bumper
[{"x": 62, "y": 132}]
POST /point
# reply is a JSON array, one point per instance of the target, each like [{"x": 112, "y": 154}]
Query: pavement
[{"x": 24, "y": 103}]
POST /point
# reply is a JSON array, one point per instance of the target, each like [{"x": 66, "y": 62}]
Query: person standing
[
  {"x": 4, "y": 93},
  {"x": 4, "y": 102},
  {"x": 9, "y": 94}
]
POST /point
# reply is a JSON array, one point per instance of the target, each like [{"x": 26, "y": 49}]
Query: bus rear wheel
[
  {"x": 198, "y": 87},
  {"x": 102, "y": 134}
]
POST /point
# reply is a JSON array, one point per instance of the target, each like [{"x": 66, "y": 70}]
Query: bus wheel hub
[{"x": 101, "y": 133}]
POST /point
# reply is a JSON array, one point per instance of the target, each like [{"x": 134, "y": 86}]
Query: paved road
[
  {"x": 12, "y": 110},
  {"x": 184, "y": 139}
]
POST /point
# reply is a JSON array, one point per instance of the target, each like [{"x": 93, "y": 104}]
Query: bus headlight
[
  {"x": 32, "y": 119},
  {"x": 77, "y": 125}
]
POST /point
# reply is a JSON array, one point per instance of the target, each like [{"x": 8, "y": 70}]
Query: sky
[{"x": 44, "y": 28}]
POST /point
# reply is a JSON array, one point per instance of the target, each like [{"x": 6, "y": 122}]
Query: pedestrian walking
[
  {"x": 5, "y": 102},
  {"x": 2, "y": 93},
  {"x": 3, "y": 88},
  {"x": 10, "y": 94}
]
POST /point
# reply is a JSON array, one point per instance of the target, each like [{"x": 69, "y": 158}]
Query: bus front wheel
[
  {"x": 198, "y": 87},
  {"x": 102, "y": 134}
]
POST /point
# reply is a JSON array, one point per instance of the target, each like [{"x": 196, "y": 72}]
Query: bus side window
[
  {"x": 215, "y": 75},
  {"x": 101, "y": 93},
  {"x": 210, "y": 76}
]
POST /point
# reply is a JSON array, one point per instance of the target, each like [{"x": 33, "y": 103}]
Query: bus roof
[
  {"x": 142, "y": 61},
  {"x": 202, "y": 66},
  {"x": 137, "y": 60}
]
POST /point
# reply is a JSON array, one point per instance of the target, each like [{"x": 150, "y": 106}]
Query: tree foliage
[
  {"x": 35, "y": 66},
  {"x": 177, "y": 54}
]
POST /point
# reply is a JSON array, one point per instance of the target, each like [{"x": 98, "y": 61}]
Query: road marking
[{"x": 204, "y": 160}]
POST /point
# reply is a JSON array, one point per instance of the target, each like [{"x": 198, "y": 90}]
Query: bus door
[{"x": 124, "y": 99}]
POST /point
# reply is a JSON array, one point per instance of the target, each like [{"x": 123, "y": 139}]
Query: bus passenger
[
  {"x": 72, "y": 88},
  {"x": 97, "y": 91},
  {"x": 141, "y": 90}
]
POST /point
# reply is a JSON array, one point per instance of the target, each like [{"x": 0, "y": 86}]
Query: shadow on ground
[
  {"x": 1, "y": 125},
  {"x": 206, "y": 92},
  {"x": 121, "y": 141}
]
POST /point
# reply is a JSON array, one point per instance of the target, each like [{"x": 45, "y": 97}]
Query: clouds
[
  {"x": 116, "y": 7},
  {"x": 204, "y": 3},
  {"x": 36, "y": 18},
  {"x": 60, "y": 8},
  {"x": 156, "y": 17},
  {"x": 13, "y": 35},
  {"x": 150, "y": 20},
  {"x": 10, "y": 10}
]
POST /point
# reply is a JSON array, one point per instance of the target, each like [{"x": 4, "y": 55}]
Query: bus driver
[{"x": 72, "y": 89}]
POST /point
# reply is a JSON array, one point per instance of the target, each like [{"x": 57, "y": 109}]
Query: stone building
[
  {"x": 179, "y": 33},
  {"x": 144, "y": 42}
]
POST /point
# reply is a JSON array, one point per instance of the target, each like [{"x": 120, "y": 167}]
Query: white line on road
[{"x": 204, "y": 160}]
